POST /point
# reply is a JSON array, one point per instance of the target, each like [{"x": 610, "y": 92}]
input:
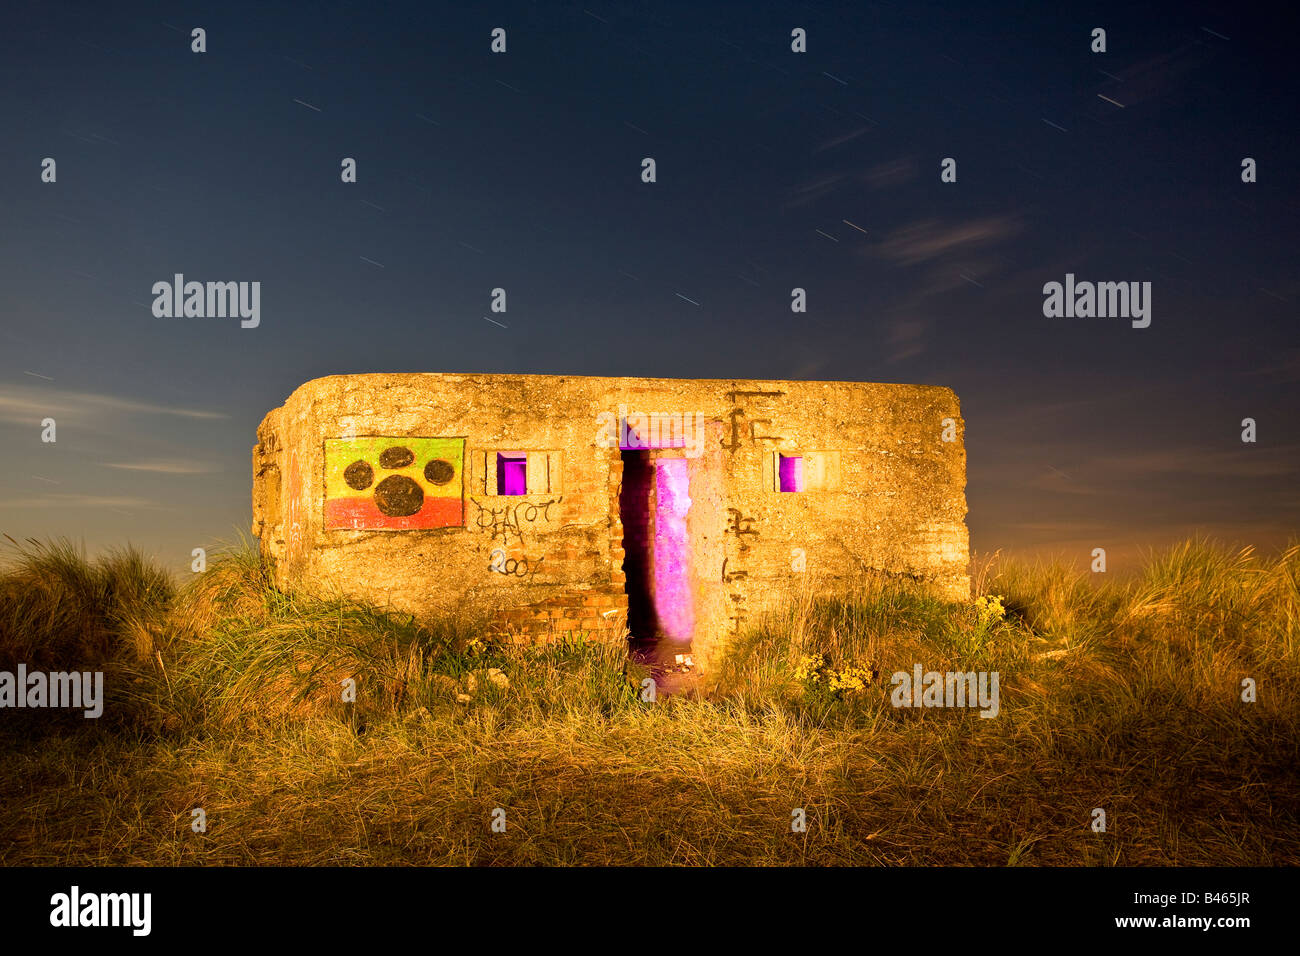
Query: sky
[{"x": 774, "y": 169}]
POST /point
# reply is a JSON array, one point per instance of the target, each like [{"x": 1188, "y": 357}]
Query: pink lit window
[
  {"x": 790, "y": 472},
  {"x": 512, "y": 474}
]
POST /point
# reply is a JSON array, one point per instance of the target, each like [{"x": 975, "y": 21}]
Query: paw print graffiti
[
  {"x": 397, "y": 496},
  {"x": 394, "y": 483}
]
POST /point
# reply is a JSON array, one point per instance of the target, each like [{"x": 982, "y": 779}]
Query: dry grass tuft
[{"x": 1124, "y": 695}]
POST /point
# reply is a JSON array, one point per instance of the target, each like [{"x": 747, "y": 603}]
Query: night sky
[{"x": 775, "y": 170}]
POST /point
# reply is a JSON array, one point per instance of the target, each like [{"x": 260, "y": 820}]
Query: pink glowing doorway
[
  {"x": 654, "y": 504},
  {"x": 673, "y": 602}
]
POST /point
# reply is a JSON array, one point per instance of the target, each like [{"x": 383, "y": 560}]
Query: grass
[{"x": 226, "y": 695}]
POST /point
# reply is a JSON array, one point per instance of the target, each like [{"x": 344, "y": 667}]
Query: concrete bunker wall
[{"x": 880, "y": 490}]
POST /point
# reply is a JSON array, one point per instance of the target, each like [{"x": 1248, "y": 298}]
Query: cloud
[
  {"x": 954, "y": 256},
  {"x": 1061, "y": 465},
  {"x": 1128, "y": 544},
  {"x": 927, "y": 240},
  {"x": 893, "y": 173},
  {"x": 1283, "y": 370},
  {"x": 814, "y": 190},
  {"x": 906, "y": 339},
  {"x": 838, "y": 140},
  {"x": 28, "y": 404},
  {"x": 76, "y": 501},
  {"x": 1075, "y": 530},
  {"x": 1246, "y": 463},
  {"x": 163, "y": 466},
  {"x": 1055, "y": 480},
  {"x": 1161, "y": 74}
]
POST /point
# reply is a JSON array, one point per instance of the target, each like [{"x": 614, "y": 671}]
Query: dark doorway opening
[
  {"x": 653, "y": 504},
  {"x": 636, "y": 508}
]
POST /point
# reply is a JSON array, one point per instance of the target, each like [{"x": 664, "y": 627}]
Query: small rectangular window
[
  {"x": 517, "y": 472},
  {"x": 790, "y": 472},
  {"x": 512, "y": 474},
  {"x": 802, "y": 471}
]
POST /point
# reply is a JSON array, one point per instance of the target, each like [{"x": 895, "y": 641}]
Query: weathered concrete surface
[{"x": 888, "y": 494}]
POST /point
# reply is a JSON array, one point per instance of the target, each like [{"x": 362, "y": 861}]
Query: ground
[{"x": 1124, "y": 696}]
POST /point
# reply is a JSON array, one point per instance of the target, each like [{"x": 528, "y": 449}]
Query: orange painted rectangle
[
  {"x": 362, "y": 514},
  {"x": 392, "y": 483}
]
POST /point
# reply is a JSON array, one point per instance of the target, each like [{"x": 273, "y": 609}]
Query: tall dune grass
[
  {"x": 1119, "y": 695},
  {"x": 57, "y": 608}
]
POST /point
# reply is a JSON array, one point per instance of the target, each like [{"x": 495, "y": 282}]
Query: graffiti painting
[{"x": 394, "y": 484}]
